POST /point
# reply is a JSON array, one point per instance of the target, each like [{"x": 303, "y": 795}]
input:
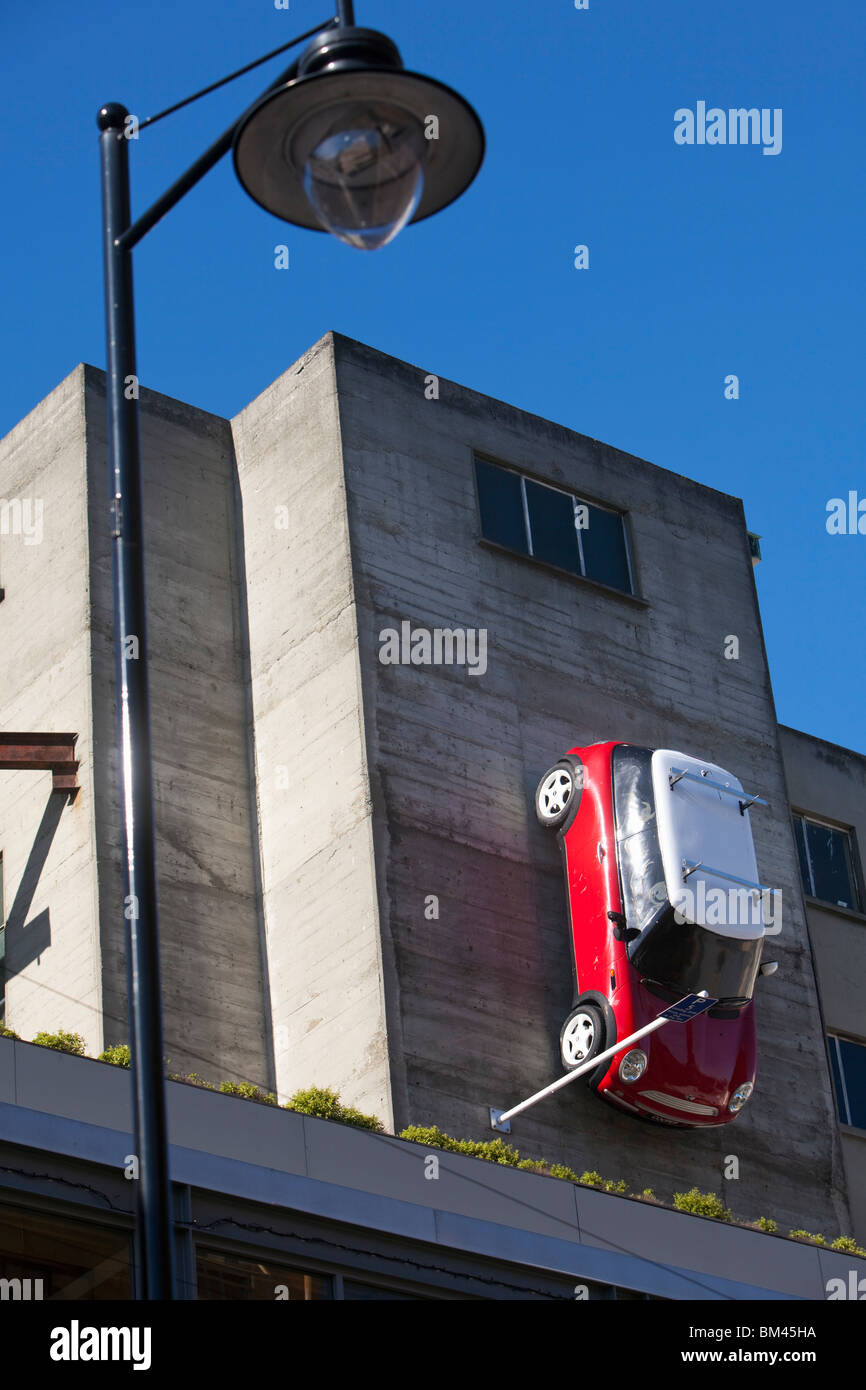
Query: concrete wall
[
  {"x": 319, "y": 886},
  {"x": 57, "y": 673},
  {"x": 53, "y": 965},
  {"x": 476, "y": 998},
  {"x": 830, "y": 782}
]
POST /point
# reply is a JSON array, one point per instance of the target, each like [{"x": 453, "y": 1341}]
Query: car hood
[{"x": 703, "y": 1060}]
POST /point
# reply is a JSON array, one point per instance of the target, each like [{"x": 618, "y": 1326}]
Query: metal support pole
[
  {"x": 130, "y": 637},
  {"x": 346, "y": 11},
  {"x": 502, "y": 1117}
]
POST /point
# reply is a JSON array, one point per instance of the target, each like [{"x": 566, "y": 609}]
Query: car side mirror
[{"x": 769, "y": 967}]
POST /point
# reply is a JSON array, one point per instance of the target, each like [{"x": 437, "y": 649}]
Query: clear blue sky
[{"x": 704, "y": 261}]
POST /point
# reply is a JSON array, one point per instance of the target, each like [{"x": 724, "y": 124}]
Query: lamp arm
[
  {"x": 205, "y": 162},
  {"x": 205, "y": 91}
]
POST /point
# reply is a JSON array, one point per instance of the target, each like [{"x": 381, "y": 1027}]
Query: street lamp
[
  {"x": 355, "y": 144},
  {"x": 346, "y": 141}
]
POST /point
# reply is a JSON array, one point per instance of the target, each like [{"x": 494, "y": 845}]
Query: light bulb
[{"x": 363, "y": 170}]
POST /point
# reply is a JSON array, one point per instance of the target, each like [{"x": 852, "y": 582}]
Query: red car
[{"x": 663, "y": 901}]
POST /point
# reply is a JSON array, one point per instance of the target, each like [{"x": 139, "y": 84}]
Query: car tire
[
  {"x": 556, "y": 794},
  {"x": 582, "y": 1036}
]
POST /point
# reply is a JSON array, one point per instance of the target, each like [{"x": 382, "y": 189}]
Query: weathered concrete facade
[
  {"x": 319, "y": 887},
  {"x": 65, "y": 960},
  {"x": 354, "y": 889},
  {"x": 53, "y": 962},
  {"x": 475, "y": 998},
  {"x": 829, "y": 783}
]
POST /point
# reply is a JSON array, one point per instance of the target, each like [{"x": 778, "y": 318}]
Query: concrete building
[
  {"x": 827, "y": 787},
  {"x": 354, "y": 890}
]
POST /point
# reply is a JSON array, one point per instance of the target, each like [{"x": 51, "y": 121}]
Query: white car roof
[{"x": 700, "y": 823}]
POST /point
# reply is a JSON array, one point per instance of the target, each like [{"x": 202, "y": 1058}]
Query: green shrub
[
  {"x": 493, "y": 1150},
  {"x": 61, "y": 1042},
  {"x": 191, "y": 1078},
  {"x": 647, "y": 1195},
  {"x": 326, "y": 1104},
  {"x": 766, "y": 1223},
  {"x": 559, "y": 1170},
  {"x": 497, "y": 1151},
  {"x": 702, "y": 1204},
  {"x": 431, "y": 1135},
  {"x": 848, "y": 1246},
  {"x": 591, "y": 1179},
  {"x": 117, "y": 1055},
  {"x": 807, "y": 1235},
  {"x": 7, "y": 1032},
  {"x": 247, "y": 1091}
]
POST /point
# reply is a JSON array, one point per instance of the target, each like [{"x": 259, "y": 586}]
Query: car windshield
[
  {"x": 678, "y": 954},
  {"x": 690, "y": 958}
]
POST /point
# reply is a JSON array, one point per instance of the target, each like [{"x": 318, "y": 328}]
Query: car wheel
[
  {"x": 555, "y": 795},
  {"x": 582, "y": 1036}
]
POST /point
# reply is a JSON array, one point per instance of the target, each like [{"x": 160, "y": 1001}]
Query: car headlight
[
  {"x": 633, "y": 1065},
  {"x": 740, "y": 1096}
]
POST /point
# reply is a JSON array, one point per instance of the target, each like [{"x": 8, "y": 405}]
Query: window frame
[
  {"x": 633, "y": 593},
  {"x": 858, "y": 908},
  {"x": 833, "y": 1041}
]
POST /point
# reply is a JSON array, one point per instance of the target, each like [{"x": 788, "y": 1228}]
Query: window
[
  {"x": 224, "y": 1276},
  {"x": 552, "y": 526},
  {"x": 62, "y": 1258},
  {"x": 827, "y": 863},
  {"x": 848, "y": 1064}
]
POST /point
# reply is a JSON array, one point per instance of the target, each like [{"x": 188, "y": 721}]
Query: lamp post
[{"x": 347, "y": 141}]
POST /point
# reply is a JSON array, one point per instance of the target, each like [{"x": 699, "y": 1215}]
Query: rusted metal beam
[{"x": 54, "y": 753}]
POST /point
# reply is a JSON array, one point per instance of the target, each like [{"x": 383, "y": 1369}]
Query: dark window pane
[
  {"x": 501, "y": 505},
  {"x": 689, "y": 957},
  {"x": 222, "y": 1276},
  {"x": 551, "y": 523},
  {"x": 830, "y": 855},
  {"x": 854, "y": 1067},
  {"x": 72, "y": 1259},
  {"x": 800, "y": 837},
  {"x": 841, "y": 1107},
  {"x": 604, "y": 553}
]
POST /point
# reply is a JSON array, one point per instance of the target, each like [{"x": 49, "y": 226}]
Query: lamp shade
[{"x": 358, "y": 150}]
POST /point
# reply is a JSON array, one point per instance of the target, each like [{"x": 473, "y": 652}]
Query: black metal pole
[
  {"x": 130, "y": 636},
  {"x": 346, "y": 11}
]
